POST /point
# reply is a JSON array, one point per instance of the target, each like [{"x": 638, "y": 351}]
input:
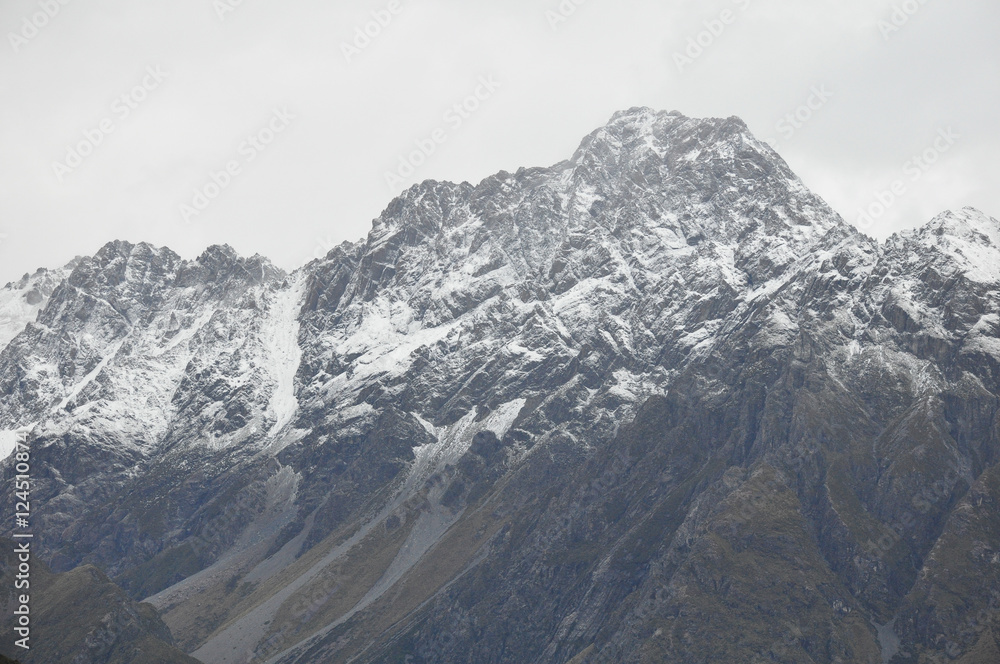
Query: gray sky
[{"x": 116, "y": 112}]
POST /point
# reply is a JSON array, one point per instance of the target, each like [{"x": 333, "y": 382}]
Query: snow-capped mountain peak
[{"x": 969, "y": 238}]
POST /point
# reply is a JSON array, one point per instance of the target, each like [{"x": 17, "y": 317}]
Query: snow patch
[
  {"x": 94, "y": 373},
  {"x": 20, "y": 302},
  {"x": 15, "y": 314},
  {"x": 280, "y": 336},
  {"x": 971, "y": 239},
  {"x": 454, "y": 440},
  {"x": 8, "y": 443}
]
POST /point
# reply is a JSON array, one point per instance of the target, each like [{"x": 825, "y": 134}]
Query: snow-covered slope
[{"x": 20, "y": 301}]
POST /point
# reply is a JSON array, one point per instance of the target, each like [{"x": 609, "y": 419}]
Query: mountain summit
[{"x": 657, "y": 402}]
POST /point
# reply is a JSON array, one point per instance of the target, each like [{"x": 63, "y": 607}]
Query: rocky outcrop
[{"x": 80, "y": 617}]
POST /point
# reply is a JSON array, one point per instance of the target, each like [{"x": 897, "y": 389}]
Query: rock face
[{"x": 655, "y": 403}]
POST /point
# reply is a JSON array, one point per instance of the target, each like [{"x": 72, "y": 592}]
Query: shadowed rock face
[{"x": 655, "y": 403}]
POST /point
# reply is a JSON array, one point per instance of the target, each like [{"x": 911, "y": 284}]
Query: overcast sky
[{"x": 116, "y": 112}]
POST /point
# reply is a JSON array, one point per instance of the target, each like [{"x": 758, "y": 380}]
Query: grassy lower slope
[{"x": 82, "y": 617}]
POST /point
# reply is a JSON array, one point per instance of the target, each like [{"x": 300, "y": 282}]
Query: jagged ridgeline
[{"x": 656, "y": 403}]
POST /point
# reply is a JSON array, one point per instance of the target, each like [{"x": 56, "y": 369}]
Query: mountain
[{"x": 657, "y": 402}]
